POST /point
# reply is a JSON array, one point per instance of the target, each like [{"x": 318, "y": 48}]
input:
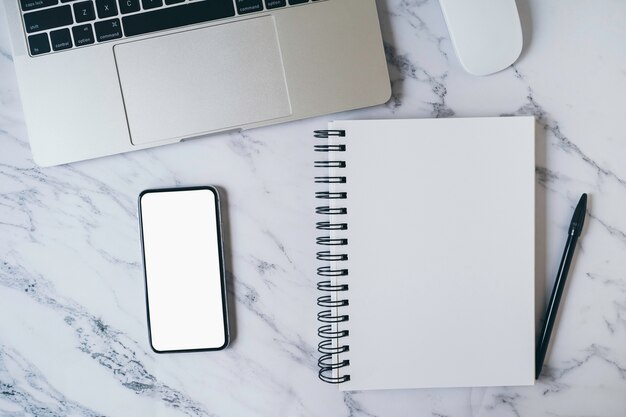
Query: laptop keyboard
[{"x": 59, "y": 25}]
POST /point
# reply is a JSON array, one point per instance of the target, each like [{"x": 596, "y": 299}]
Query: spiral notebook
[{"x": 426, "y": 252}]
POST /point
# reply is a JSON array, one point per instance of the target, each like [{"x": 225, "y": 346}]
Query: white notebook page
[{"x": 441, "y": 252}]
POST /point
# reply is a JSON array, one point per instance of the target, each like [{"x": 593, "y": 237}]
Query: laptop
[{"x": 101, "y": 77}]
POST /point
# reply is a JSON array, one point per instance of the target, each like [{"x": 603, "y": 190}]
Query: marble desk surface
[{"x": 73, "y": 337}]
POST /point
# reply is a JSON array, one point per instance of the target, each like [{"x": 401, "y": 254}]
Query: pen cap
[{"x": 578, "y": 219}]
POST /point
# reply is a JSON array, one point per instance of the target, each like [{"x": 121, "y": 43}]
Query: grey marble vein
[
  {"x": 405, "y": 68},
  {"x": 22, "y": 384},
  {"x": 354, "y": 408},
  {"x": 533, "y": 108},
  {"x": 107, "y": 346}
]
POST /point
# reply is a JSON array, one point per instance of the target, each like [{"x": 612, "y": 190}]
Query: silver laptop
[{"x": 100, "y": 77}]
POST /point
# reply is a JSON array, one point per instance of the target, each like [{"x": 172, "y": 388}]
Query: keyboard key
[
  {"x": 168, "y": 2},
  {"x": 106, "y": 8},
  {"x": 151, "y": 4},
  {"x": 248, "y": 6},
  {"x": 272, "y": 4},
  {"x": 83, "y": 35},
  {"x": 108, "y": 29},
  {"x": 129, "y": 6},
  {"x": 298, "y": 1},
  {"x": 84, "y": 11},
  {"x": 38, "y": 44},
  {"x": 61, "y": 39},
  {"x": 48, "y": 19},
  {"x": 171, "y": 17},
  {"x": 28, "y": 5}
]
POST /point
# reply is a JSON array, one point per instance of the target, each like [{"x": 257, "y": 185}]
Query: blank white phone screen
[{"x": 183, "y": 272}]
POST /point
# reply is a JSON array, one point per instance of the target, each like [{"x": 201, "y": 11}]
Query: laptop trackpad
[{"x": 204, "y": 80}]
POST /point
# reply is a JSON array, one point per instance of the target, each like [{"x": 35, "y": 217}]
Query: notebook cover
[{"x": 441, "y": 252}]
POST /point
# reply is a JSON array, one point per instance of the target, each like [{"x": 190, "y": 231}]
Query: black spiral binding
[{"x": 331, "y": 336}]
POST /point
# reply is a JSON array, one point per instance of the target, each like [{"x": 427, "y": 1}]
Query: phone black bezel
[{"x": 218, "y": 219}]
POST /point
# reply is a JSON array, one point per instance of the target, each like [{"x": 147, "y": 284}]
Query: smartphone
[{"x": 183, "y": 260}]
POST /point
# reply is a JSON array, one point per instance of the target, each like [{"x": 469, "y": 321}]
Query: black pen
[{"x": 575, "y": 227}]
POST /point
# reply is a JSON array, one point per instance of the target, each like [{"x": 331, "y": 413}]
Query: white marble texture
[{"x": 73, "y": 338}]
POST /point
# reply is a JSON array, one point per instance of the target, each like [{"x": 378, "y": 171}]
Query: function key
[
  {"x": 129, "y": 6},
  {"x": 84, "y": 11},
  {"x": 106, "y": 8},
  {"x": 272, "y": 4},
  {"x": 83, "y": 35},
  {"x": 28, "y": 5},
  {"x": 151, "y": 4},
  {"x": 48, "y": 19},
  {"x": 38, "y": 44},
  {"x": 108, "y": 29},
  {"x": 248, "y": 6},
  {"x": 61, "y": 39}
]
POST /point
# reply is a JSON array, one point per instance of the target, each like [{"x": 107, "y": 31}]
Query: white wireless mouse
[{"x": 486, "y": 34}]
